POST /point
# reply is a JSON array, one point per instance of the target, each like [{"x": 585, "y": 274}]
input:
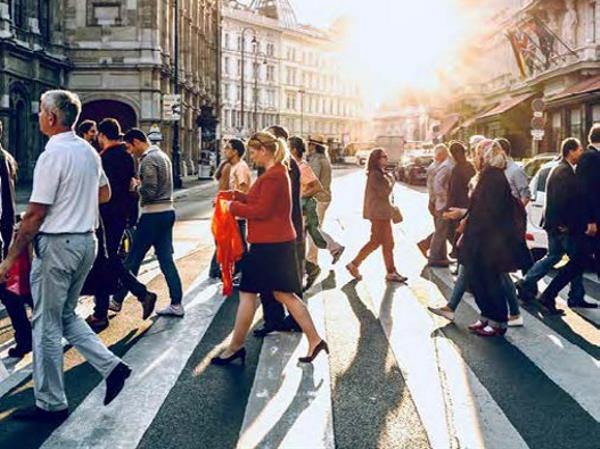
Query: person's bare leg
[
  {"x": 243, "y": 321},
  {"x": 302, "y": 316}
]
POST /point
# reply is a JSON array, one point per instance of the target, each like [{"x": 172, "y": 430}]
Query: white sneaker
[
  {"x": 172, "y": 310},
  {"x": 115, "y": 306},
  {"x": 515, "y": 321},
  {"x": 444, "y": 312}
]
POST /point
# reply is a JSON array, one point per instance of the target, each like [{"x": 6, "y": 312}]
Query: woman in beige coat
[{"x": 378, "y": 208}]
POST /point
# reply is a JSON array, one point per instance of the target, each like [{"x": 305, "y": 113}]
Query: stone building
[
  {"x": 118, "y": 55},
  {"x": 291, "y": 75},
  {"x": 532, "y": 49}
]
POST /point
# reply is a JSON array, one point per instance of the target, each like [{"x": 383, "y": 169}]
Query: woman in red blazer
[{"x": 270, "y": 265}]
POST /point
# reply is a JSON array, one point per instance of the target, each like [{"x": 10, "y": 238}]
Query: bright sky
[{"x": 395, "y": 43}]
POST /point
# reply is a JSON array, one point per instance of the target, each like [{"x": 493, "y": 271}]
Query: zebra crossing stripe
[
  {"x": 567, "y": 365},
  {"x": 286, "y": 398},
  {"x": 157, "y": 361},
  {"x": 455, "y": 407}
]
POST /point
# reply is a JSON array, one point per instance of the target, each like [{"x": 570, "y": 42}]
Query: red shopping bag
[
  {"x": 18, "y": 276},
  {"x": 229, "y": 241}
]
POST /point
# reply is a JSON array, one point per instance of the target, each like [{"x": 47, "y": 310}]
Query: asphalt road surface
[{"x": 396, "y": 376}]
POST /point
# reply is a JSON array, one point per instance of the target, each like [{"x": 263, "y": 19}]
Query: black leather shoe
[
  {"x": 19, "y": 351},
  {"x": 239, "y": 354},
  {"x": 97, "y": 324},
  {"x": 322, "y": 346},
  {"x": 116, "y": 381},
  {"x": 525, "y": 294},
  {"x": 37, "y": 414},
  {"x": 148, "y": 304},
  {"x": 549, "y": 306},
  {"x": 289, "y": 325},
  {"x": 583, "y": 304}
]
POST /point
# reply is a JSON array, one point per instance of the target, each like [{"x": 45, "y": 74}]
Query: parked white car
[{"x": 537, "y": 240}]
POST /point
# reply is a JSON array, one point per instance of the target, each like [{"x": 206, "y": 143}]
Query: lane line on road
[
  {"x": 567, "y": 365},
  {"x": 157, "y": 361},
  {"x": 287, "y": 398}
]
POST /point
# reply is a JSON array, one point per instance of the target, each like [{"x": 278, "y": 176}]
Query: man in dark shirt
[
  {"x": 119, "y": 168},
  {"x": 569, "y": 216}
]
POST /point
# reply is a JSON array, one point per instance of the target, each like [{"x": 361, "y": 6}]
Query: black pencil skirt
[{"x": 270, "y": 267}]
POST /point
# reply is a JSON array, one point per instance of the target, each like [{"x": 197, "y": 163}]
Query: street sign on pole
[
  {"x": 154, "y": 134},
  {"x": 537, "y": 134},
  {"x": 171, "y": 107}
]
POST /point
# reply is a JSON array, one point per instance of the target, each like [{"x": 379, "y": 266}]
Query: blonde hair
[{"x": 275, "y": 145}]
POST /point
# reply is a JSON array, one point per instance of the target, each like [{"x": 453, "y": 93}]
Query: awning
[
  {"x": 448, "y": 124},
  {"x": 506, "y": 105},
  {"x": 583, "y": 87}
]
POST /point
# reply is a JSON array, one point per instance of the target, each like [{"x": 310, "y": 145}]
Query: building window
[
  {"x": 291, "y": 101},
  {"x": 239, "y": 43},
  {"x": 239, "y": 67},
  {"x": 18, "y": 12},
  {"x": 576, "y": 123},
  {"x": 596, "y": 113},
  {"x": 44, "y": 18},
  {"x": 227, "y": 41},
  {"x": 226, "y": 66},
  {"x": 104, "y": 13},
  {"x": 270, "y": 73},
  {"x": 270, "y": 50}
]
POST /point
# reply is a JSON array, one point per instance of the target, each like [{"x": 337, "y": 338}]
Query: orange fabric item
[
  {"x": 229, "y": 241},
  {"x": 18, "y": 276}
]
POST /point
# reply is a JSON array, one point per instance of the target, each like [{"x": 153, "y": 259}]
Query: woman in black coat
[
  {"x": 491, "y": 235},
  {"x": 458, "y": 191}
]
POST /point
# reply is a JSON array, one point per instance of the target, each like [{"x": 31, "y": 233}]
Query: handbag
[
  {"x": 18, "y": 276},
  {"x": 397, "y": 217}
]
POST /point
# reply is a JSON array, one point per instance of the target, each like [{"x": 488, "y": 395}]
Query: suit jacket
[
  {"x": 567, "y": 205},
  {"x": 588, "y": 170},
  {"x": 119, "y": 167}
]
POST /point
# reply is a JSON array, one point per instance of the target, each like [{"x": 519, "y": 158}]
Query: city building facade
[
  {"x": 119, "y": 57},
  {"x": 532, "y": 50},
  {"x": 290, "y": 74}
]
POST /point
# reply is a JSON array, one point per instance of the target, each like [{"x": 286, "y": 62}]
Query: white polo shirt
[{"x": 67, "y": 177}]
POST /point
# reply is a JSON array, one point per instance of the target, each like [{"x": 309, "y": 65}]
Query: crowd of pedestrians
[{"x": 485, "y": 217}]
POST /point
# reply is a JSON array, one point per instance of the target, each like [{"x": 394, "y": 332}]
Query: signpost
[
  {"x": 154, "y": 134},
  {"x": 537, "y": 123},
  {"x": 171, "y": 107}
]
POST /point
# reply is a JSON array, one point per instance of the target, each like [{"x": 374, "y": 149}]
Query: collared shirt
[
  {"x": 66, "y": 178},
  {"x": 240, "y": 174},
  {"x": 517, "y": 180}
]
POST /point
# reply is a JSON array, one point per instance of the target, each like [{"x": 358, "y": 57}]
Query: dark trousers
[
  {"x": 15, "y": 305},
  {"x": 155, "y": 230},
  {"x": 579, "y": 249},
  {"x": 273, "y": 310},
  {"x": 115, "y": 271},
  {"x": 486, "y": 285}
]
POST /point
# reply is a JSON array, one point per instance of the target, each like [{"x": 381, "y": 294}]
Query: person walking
[
  {"x": 492, "y": 232},
  {"x": 274, "y": 314},
  {"x": 68, "y": 185},
  {"x": 88, "y": 131},
  {"x": 15, "y": 305},
  {"x": 570, "y": 219},
  {"x": 321, "y": 166},
  {"x": 271, "y": 261},
  {"x": 118, "y": 165},
  {"x": 378, "y": 209},
  {"x": 155, "y": 226},
  {"x": 438, "y": 183}
]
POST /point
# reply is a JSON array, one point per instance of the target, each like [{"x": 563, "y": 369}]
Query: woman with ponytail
[{"x": 270, "y": 265}]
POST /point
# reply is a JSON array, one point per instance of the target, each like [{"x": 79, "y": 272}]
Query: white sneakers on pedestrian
[
  {"x": 445, "y": 312},
  {"x": 515, "y": 321},
  {"x": 172, "y": 310}
]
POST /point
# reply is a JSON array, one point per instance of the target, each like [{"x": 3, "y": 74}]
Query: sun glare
[{"x": 392, "y": 45}]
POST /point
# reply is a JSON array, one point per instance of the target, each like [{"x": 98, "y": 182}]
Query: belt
[{"x": 59, "y": 234}]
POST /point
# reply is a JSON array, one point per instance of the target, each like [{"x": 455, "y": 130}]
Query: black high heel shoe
[
  {"x": 322, "y": 346},
  {"x": 239, "y": 354}
]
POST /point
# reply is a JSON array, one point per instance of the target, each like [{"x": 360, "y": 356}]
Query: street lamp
[
  {"x": 254, "y": 41},
  {"x": 177, "y": 183},
  {"x": 301, "y": 92},
  {"x": 264, "y": 61}
]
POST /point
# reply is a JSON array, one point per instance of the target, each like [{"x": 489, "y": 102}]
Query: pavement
[{"x": 396, "y": 376}]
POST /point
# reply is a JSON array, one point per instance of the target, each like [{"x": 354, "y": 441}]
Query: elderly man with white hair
[
  {"x": 68, "y": 185},
  {"x": 438, "y": 183}
]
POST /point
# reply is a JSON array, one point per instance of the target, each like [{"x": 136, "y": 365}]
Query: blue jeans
[
  {"x": 556, "y": 250},
  {"x": 155, "y": 230},
  {"x": 507, "y": 286}
]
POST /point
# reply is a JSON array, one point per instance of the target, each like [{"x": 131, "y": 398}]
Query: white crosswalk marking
[
  {"x": 157, "y": 361},
  {"x": 287, "y": 398}
]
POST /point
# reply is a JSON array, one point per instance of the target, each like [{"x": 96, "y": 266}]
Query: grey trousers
[
  {"x": 438, "y": 251},
  {"x": 58, "y": 272}
]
